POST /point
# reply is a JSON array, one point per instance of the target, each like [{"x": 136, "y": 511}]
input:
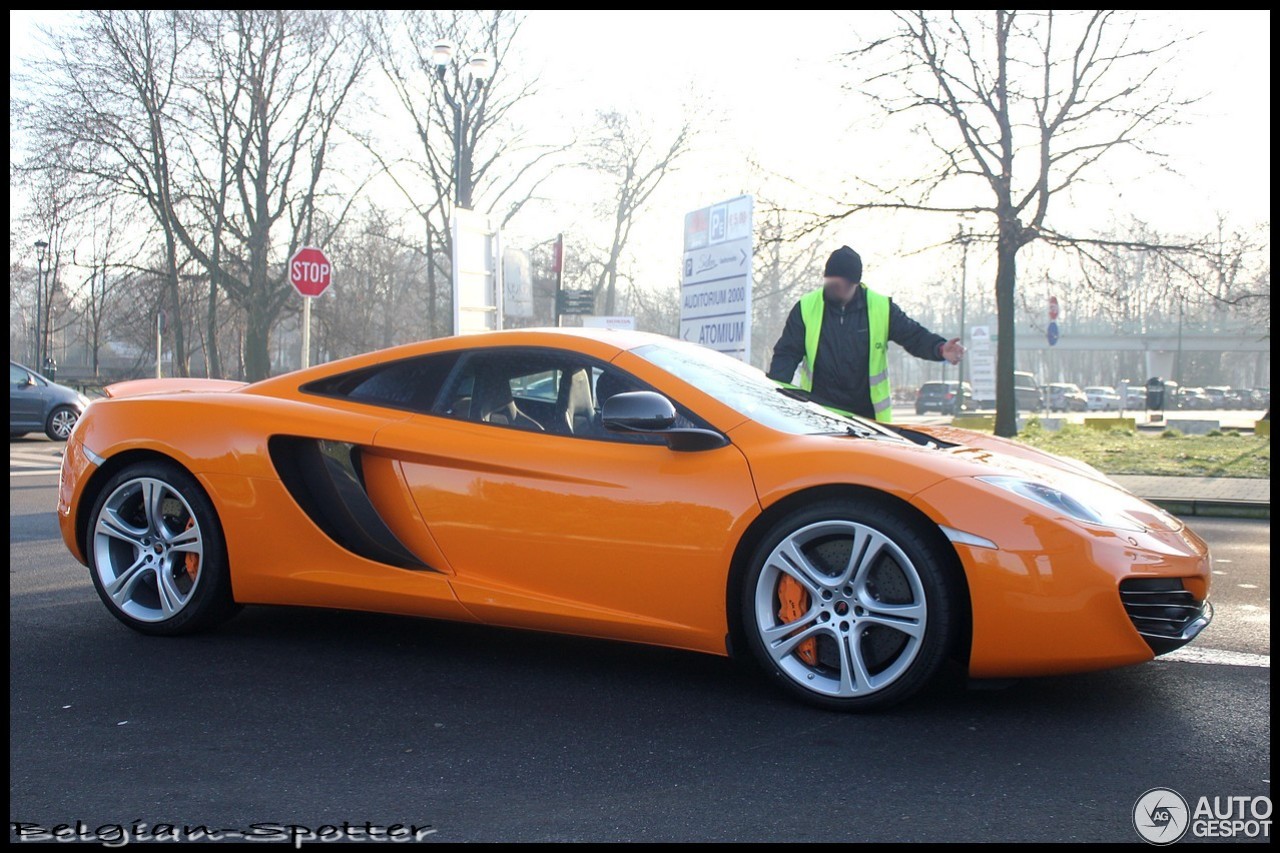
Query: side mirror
[{"x": 651, "y": 413}]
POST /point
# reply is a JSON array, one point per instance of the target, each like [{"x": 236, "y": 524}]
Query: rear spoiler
[{"x": 141, "y": 387}]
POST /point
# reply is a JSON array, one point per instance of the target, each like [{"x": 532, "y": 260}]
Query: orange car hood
[{"x": 986, "y": 449}]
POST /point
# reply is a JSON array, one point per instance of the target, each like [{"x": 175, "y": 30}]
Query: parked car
[
  {"x": 1102, "y": 398},
  {"x": 1219, "y": 396},
  {"x": 1026, "y": 389},
  {"x": 36, "y": 404},
  {"x": 945, "y": 397},
  {"x": 1192, "y": 398},
  {"x": 1238, "y": 398},
  {"x": 1135, "y": 395},
  {"x": 1066, "y": 397}
]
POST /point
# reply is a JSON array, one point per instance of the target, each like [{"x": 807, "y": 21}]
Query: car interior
[{"x": 535, "y": 394}]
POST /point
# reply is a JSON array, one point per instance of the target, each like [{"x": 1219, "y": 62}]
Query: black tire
[
  {"x": 938, "y": 582},
  {"x": 60, "y": 422},
  {"x": 209, "y": 600},
  {"x": 919, "y": 410}
]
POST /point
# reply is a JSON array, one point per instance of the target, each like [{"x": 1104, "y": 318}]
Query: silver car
[{"x": 36, "y": 404}]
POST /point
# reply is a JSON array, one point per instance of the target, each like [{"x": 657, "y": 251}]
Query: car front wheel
[
  {"x": 156, "y": 552},
  {"x": 850, "y": 606},
  {"x": 60, "y": 422}
]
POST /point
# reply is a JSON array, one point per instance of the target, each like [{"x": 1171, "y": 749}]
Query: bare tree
[
  {"x": 299, "y": 68},
  {"x": 466, "y": 151},
  {"x": 1022, "y": 105},
  {"x": 218, "y": 87},
  {"x": 101, "y": 289},
  {"x": 626, "y": 154},
  {"x": 784, "y": 270},
  {"x": 102, "y": 111},
  {"x": 120, "y": 91}
]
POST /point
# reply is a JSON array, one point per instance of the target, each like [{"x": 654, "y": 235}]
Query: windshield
[{"x": 747, "y": 390}]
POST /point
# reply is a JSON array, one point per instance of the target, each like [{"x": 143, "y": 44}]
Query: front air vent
[
  {"x": 324, "y": 479},
  {"x": 1165, "y": 613}
]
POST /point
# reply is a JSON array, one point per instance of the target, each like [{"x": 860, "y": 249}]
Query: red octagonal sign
[{"x": 309, "y": 271}]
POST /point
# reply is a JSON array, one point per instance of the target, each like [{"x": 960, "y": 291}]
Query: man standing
[{"x": 838, "y": 337}]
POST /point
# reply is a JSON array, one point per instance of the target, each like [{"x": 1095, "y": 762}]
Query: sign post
[
  {"x": 477, "y": 274},
  {"x": 310, "y": 274},
  {"x": 982, "y": 364},
  {"x": 1052, "y": 332},
  {"x": 715, "y": 292},
  {"x": 160, "y": 318}
]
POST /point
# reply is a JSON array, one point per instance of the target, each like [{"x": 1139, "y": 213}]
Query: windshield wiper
[{"x": 795, "y": 394}]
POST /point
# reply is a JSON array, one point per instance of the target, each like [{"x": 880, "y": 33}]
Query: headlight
[{"x": 1059, "y": 501}]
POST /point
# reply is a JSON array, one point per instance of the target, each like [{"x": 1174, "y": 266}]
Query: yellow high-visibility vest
[{"x": 812, "y": 307}]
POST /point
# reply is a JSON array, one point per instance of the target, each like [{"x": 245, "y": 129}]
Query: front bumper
[
  {"x": 1164, "y": 612},
  {"x": 1049, "y": 598}
]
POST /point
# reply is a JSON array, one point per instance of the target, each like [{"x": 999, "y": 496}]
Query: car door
[
  {"x": 24, "y": 400},
  {"x": 554, "y": 523}
]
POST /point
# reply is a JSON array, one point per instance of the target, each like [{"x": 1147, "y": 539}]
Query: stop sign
[
  {"x": 309, "y": 271},
  {"x": 1053, "y": 307}
]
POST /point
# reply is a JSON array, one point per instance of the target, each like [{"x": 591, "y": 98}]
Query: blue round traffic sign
[{"x": 1053, "y": 334}]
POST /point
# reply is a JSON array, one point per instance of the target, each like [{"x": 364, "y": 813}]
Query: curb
[{"x": 1213, "y": 508}]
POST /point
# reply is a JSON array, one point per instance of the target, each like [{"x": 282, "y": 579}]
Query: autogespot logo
[{"x": 1160, "y": 816}]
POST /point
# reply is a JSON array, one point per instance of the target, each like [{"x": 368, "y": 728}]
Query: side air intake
[{"x": 324, "y": 479}]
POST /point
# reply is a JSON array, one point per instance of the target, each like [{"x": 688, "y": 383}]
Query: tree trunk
[
  {"x": 212, "y": 363},
  {"x": 176, "y": 338},
  {"x": 95, "y": 314},
  {"x": 1006, "y": 363},
  {"x": 257, "y": 340}
]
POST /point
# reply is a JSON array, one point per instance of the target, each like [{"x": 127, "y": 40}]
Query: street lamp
[
  {"x": 480, "y": 68},
  {"x": 42, "y": 249}
]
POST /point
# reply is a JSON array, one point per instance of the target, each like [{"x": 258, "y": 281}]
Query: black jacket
[{"x": 840, "y": 374}]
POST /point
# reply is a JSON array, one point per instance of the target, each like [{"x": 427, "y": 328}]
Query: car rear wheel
[
  {"x": 60, "y": 422},
  {"x": 849, "y": 606},
  {"x": 156, "y": 552}
]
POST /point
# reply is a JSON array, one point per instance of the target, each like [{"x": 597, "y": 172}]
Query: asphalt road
[{"x": 318, "y": 717}]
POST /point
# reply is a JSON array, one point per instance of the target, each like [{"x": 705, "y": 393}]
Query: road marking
[
  {"x": 1221, "y": 657},
  {"x": 34, "y": 463}
]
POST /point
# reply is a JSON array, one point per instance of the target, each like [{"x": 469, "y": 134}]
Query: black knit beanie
[{"x": 845, "y": 263}]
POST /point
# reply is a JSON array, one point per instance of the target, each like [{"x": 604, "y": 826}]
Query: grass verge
[{"x": 1171, "y": 454}]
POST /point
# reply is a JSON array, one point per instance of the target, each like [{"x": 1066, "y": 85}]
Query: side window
[
  {"x": 550, "y": 391},
  {"x": 411, "y": 383},
  {"x": 17, "y": 376},
  {"x": 512, "y": 388}
]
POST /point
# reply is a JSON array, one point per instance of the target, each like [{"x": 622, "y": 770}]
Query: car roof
[{"x": 604, "y": 344}]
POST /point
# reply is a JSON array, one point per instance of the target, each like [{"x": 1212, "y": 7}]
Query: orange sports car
[{"x": 625, "y": 486}]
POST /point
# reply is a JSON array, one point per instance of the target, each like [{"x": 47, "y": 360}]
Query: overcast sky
[{"x": 769, "y": 85}]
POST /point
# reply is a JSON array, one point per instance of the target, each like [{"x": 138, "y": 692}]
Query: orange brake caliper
[
  {"x": 192, "y": 560},
  {"x": 793, "y": 602}
]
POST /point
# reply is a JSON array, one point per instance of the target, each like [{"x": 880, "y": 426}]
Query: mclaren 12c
[{"x": 622, "y": 486}]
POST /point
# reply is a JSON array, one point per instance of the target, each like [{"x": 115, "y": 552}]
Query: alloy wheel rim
[
  {"x": 866, "y": 609},
  {"x": 63, "y": 423},
  {"x": 148, "y": 549}
]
